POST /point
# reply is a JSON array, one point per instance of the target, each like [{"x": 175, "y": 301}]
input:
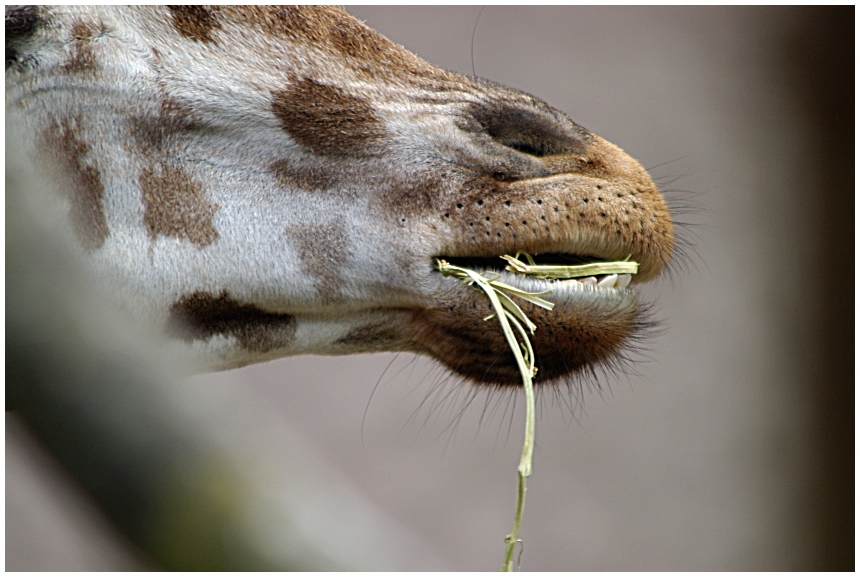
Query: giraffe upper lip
[
  {"x": 599, "y": 217},
  {"x": 566, "y": 246}
]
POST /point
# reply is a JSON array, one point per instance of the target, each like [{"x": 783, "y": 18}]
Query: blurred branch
[{"x": 197, "y": 479}]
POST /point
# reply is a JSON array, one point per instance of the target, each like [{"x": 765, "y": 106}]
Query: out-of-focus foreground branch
[{"x": 197, "y": 478}]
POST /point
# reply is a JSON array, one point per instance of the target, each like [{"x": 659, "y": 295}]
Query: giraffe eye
[{"x": 500, "y": 175}]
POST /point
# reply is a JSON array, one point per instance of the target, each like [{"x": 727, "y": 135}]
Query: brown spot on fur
[
  {"x": 286, "y": 21},
  {"x": 195, "y": 22},
  {"x": 83, "y": 59},
  {"x": 327, "y": 120},
  {"x": 175, "y": 205},
  {"x": 174, "y": 110},
  {"x": 323, "y": 251},
  {"x": 412, "y": 195},
  {"x": 330, "y": 29},
  {"x": 370, "y": 52},
  {"x": 370, "y": 338},
  {"x": 66, "y": 159},
  {"x": 308, "y": 178},
  {"x": 201, "y": 315},
  {"x": 151, "y": 133}
]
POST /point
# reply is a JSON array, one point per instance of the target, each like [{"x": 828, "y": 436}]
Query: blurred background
[{"x": 729, "y": 446}]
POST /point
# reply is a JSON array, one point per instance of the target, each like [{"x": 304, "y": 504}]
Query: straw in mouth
[{"x": 509, "y": 313}]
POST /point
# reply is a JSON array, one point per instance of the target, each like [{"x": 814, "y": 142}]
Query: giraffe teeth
[
  {"x": 611, "y": 281},
  {"x": 608, "y": 281}
]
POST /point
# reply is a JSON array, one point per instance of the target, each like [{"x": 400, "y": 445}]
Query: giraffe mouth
[
  {"x": 498, "y": 266},
  {"x": 593, "y": 320}
]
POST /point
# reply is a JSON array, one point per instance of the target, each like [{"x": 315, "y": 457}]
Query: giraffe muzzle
[{"x": 607, "y": 213}]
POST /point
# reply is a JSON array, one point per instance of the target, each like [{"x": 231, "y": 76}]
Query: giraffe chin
[{"x": 589, "y": 326}]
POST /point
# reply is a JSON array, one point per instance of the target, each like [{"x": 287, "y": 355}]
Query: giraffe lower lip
[{"x": 593, "y": 320}]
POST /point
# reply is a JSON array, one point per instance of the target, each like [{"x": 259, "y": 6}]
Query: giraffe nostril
[{"x": 527, "y": 148}]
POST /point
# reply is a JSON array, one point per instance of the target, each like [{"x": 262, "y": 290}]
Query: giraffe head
[{"x": 274, "y": 181}]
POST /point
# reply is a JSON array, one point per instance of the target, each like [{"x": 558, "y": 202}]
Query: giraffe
[{"x": 263, "y": 182}]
